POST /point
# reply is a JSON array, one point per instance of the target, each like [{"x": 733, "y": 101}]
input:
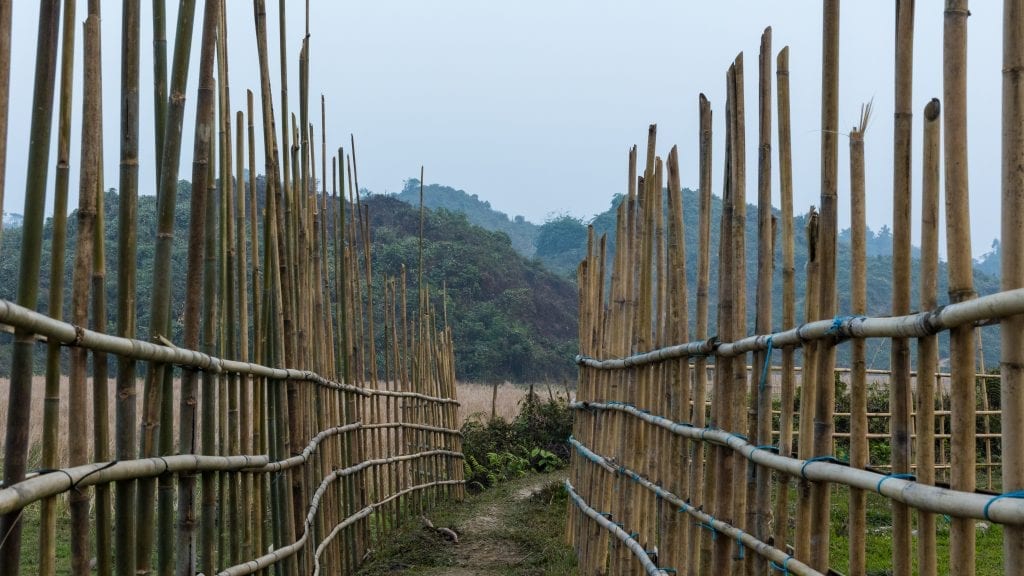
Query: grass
[{"x": 516, "y": 528}]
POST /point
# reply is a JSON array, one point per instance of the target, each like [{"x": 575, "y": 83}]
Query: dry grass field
[{"x": 476, "y": 398}]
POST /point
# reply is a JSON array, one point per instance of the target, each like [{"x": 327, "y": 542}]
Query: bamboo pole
[
  {"x": 725, "y": 394},
  {"x": 697, "y": 415},
  {"x": 160, "y": 96},
  {"x": 808, "y": 391},
  {"x": 5, "y": 89},
  {"x": 100, "y": 362},
  {"x": 781, "y": 536},
  {"x": 858, "y": 377},
  {"x": 760, "y": 517},
  {"x": 20, "y": 392},
  {"x": 900, "y": 388},
  {"x": 927, "y": 348},
  {"x": 78, "y": 449},
  {"x": 1012, "y": 269},
  {"x": 126, "y": 444},
  {"x": 158, "y": 439},
  {"x": 55, "y": 307},
  {"x": 198, "y": 294},
  {"x": 827, "y": 233},
  {"x": 961, "y": 275}
]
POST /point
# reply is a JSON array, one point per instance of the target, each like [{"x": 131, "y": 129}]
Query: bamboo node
[{"x": 79, "y": 335}]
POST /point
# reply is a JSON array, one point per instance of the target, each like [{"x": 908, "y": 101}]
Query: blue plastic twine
[
  {"x": 910, "y": 477},
  {"x": 767, "y": 366},
  {"x": 1018, "y": 494}
]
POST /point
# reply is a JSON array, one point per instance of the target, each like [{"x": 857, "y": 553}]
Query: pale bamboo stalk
[
  {"x": 5, "y": 89},
  {"x": 100, "y": 361},
  {"x": 126, "y": 443},
  {"x": 740, "y": 384},
  {"x": 157, "y": 437},
  {"x": 900, "y": 388},
  {"x": 246, "y": 399},
  {"x": 808, "y": 391},
  {"x": 78, "y": 448},
  {"x": 160, "y": 96},
  {"x": 678, "y": 299},
  {"x": 55, "y": 307},
  {"x": 961, "y": 275},
  {"x": 725, "y": 391},
  {"x": 859, "y": 454},
  {"x": 927, "y": 348},
  {"x": 196, "y": 293},
  {"x": 760, "y": 515},
  {"x": 1012, "y": 269},
  {"x": 697, "y": 412},
  {"x": 20, "y": 394},
  {"x": 781, "y": 535},
  {"x": 827, "y": 234}
]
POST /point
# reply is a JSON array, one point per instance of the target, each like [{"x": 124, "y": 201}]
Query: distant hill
[
  {"x": 512, "y": 318},
  {"x": 479, "y": 212}
]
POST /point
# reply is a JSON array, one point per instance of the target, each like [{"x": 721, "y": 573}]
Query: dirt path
[
  {"x": 514, "y": 529},
  {"x": 483, "y": 549}
]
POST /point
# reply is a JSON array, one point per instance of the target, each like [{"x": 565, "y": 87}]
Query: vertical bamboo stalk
[
  {"x": 827, "y": 233},
  {"x": 858, "y": 375},
  {"x": 1012, "y": 269},
  {"x": 78, "y": 448},
  {"x": 761, "y": 508},
  {"x": 725, "y": 394},
  {"x": 5, "y": 89},
  {"x": 900, "y": 389},
  {"x": 740, "y": 380},
  {"x": 100, "y": 362},
  {"x": 52, "y": 400},
  {"x": 927, "y": 348},
  {"x": 198, "y": 295},
  {"x": 700, "y": 372},
  {"x": 246, "y": 396},
  {"x": 128, "y": 188},
  {"x": 159, "y": 83},
  {"x": 961, "y": 276},
  {"x": 20, "y": 391},
  {"x": 788, "y": 292},
  {"x": 157, "y": 439},
  {"x": 808, "y": 392}
]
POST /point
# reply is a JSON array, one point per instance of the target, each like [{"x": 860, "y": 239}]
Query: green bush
[{"x": 536, "y": 439}]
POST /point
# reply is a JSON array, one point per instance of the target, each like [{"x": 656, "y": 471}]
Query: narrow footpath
[{"x": 517, "y": 528}]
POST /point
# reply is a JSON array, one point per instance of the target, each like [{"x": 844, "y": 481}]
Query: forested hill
[
  {"x": 512, "y": 319},
  {"x": 561, "y": 242},
  {"x": 522, "y": 234}
]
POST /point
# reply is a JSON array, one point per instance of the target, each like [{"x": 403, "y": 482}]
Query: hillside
[
  {"x": 512, "y": 319},
  {"x": 560, "y": 243},
  {"x": 479, "y": 212}
]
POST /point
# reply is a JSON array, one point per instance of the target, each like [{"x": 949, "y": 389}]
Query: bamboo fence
[
  {"x": 687, "y": 451},
  {"x": 278, "y": 436}
]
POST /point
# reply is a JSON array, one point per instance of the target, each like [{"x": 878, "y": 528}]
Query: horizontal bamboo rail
[{"x": 979, "y": 311}]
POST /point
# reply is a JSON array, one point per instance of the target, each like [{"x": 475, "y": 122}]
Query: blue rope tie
[
  {"x": 910, "y": 477},
  {"x": 784, "y": 567},
  {"x": 767, "y": 366},
  {"x": 633, "y": 535},
  {"x": 1017, "y": 494},
  {"x": 709, "y": 527},
  {"x": 740, "y": 436},
  {"x": 766, "y": 447},
  {"x": 832, "y": 459},
  {"x": 739, "y": 542},
  {"x": 607, "y": 515},
  {"x": 684, "y": 507}
]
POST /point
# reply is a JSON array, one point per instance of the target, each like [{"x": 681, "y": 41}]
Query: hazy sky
[{"x": 533, "y": 105}]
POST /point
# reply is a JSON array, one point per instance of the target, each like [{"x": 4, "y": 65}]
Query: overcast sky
[{"x": 533, "y": 105}]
